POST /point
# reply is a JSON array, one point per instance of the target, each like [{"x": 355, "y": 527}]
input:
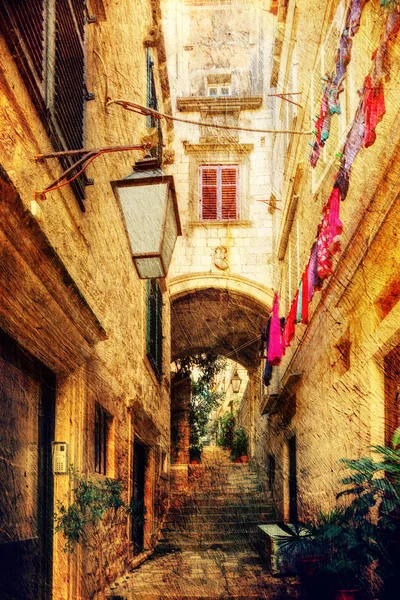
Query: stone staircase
[
  {"x": 221, "y": 507},
  {"x": 206, "y": 548}
]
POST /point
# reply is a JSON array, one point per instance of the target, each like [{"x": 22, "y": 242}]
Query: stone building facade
[
  {"x": 336, "y": 390},
  {"x": 73, "y": 311},
  {"x": 222, "y": 275}
]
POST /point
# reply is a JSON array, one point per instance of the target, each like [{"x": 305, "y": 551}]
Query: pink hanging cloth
[
  {"x": 374, "y": 109},
  {"x": 330, "y": 230},
  {"x": 275, "y": 352}
]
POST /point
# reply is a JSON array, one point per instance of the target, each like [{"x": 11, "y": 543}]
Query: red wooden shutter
[
  {"x": 228, "y": 193},
  {"x": 209, "y": 192}
]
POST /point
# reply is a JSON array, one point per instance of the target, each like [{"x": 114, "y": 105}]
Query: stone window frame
[{"x": 222, "y": 154}]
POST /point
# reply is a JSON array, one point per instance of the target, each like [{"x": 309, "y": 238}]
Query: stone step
[
  {"x": 216, "y": 523},
  {"x": 218, "y": 507}
]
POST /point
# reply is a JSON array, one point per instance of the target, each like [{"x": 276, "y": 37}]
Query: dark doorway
[
  {"x": 26, "y": 480},
  {"x": 292, "y": 480},
  {"x": 138, "y": 509},
  {"x": 392, "y": 393}
]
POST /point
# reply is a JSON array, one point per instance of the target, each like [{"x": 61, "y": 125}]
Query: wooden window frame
[
  {"x": 102, "y": 432},
  {"x": 154, "y": 336},
  {"x": 47, "y": 73},
  {"x": 219, "y": 185},
  {"x": 152, "y": 102}
]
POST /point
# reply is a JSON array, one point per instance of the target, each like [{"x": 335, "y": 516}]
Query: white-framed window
[
  {"x": 219, "y": 192},
  {"x": 219, "y": 90}
]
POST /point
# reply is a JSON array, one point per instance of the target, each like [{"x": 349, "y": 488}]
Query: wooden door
[
  {"x": 138, "y": 512},
  {"x": 292, "y": 480},
  {"x": 26, "y": 482}
]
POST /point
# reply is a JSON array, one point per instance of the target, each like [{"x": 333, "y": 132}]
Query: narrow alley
[
  {"x": 208, "y": 544},
  {"x": 199, "y": 299}
]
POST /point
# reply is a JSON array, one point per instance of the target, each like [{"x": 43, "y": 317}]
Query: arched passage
[
  {"x": 222, "y": 315},
  {"x": 217, "y": 314}
]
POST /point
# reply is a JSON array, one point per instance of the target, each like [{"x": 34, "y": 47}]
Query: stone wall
[
  {"x": 77, "y": 303},
  {"x": 330, "y": 387}
]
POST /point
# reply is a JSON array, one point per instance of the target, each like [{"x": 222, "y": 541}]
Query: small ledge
[
  {"x": 231, "y": 147},
  {"x": 238, "y": 223},
  {"x": 221, "y": 104}
]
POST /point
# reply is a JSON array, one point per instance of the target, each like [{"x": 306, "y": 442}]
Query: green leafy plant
[
  {"x": 226, "y": 428},
  {"x": 240, "y": 443},
  {"x": 94, "y": 501},
  {"x": 203, "y": 399}
]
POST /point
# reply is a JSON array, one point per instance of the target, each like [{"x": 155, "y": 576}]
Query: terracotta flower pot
[
  {"x": 244, "y": 459},
  {"x": 346, "y": 595},
  {"x": 310, "y": 565}
]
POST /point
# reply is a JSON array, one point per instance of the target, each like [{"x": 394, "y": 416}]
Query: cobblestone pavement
[
  {"x": 207, "y": 574},
  {"x": 206, "y": 549}
]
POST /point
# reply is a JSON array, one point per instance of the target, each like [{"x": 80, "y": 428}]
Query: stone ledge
[
  {"x": 238, "y": 223},
  {"x": 222, "y": 104},
  {"x": 231, "y": 147}
]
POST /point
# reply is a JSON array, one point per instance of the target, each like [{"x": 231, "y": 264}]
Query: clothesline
[
  {"x": 278, "y": 333},
  {"x": 138, "y": 108}
]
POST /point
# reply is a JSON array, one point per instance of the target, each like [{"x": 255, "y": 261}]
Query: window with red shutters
[{"x": 219, "y": 192}]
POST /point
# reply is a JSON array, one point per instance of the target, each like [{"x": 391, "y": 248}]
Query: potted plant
[
  {"x": 240, "y": 442},
  {"x": 374, "y": 489},
  {"x": 226, "y": 428}
]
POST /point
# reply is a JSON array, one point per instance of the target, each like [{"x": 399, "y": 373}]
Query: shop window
[
  {"x": 102, "y": 440},
  {"x": 154, "y": 326},
  {"x": 48, "y": 46},
  {"x": 219, "y": 192}
]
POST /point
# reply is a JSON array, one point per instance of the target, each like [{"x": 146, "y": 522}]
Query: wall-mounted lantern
[
  {"x": 149, "y": 208},
  {"x": 236, "y": 382}
]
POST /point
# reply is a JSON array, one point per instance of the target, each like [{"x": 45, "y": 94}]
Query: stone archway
[{"x": 217, "y": 314}]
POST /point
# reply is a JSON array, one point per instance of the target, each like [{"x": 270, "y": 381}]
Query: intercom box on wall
[{"x": 60, "y": 458}]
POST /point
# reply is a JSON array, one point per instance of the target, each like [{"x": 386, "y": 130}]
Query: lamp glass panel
[
  {"x": 171, "y": 233},
  {"x": 149, "y": 268},
  {"x": 144, "y": 208}
]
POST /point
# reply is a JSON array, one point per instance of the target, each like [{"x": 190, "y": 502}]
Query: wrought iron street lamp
[
  {"x": 236, "y": 382},
  {"x": 149, "y": 208}
]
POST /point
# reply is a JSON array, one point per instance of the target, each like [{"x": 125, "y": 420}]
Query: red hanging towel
[
  {"x": 275, "y": 336},
  {"x": 288, "y": 334},
  {"x": 304, "y": 298},
  {"x": 374, "y": 109}
]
